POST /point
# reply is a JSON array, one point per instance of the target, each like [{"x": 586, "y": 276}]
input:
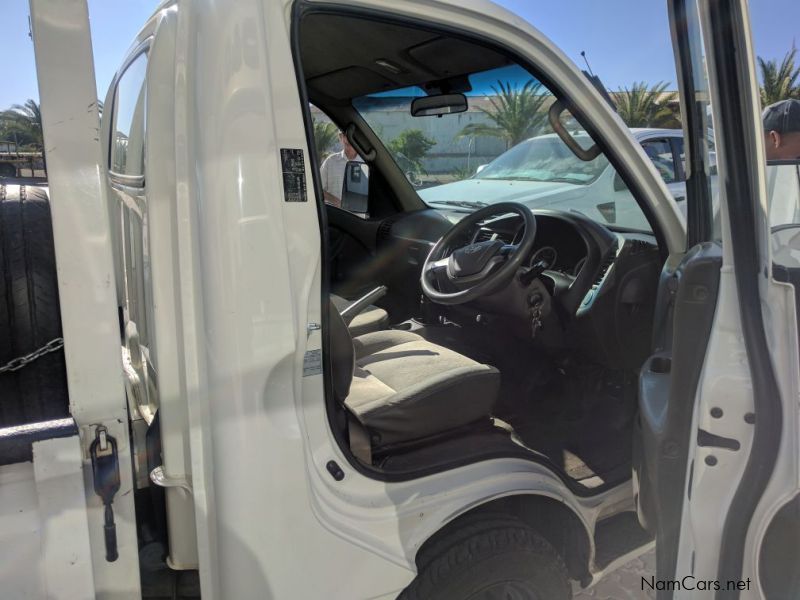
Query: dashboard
[{"x": 602, "y": 284}]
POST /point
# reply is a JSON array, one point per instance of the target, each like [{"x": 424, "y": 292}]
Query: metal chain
[{"x": 18, "y": 363}]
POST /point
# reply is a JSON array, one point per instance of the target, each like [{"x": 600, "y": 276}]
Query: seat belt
[{"x": 360, "y": 444}]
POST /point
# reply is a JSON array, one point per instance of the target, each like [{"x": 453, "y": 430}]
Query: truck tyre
[
  {"x": 7, "y": 170},
  {"x": 503, "y": 559},
  {"x": 29, "y": 310}
]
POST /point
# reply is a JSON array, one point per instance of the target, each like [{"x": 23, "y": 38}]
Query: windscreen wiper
[{"x": 460, "y": 203}]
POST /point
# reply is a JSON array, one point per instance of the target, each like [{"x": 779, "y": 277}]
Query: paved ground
[{"x": 625, "y": 583}]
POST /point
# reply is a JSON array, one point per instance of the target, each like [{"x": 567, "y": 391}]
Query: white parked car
[{"x": 542, "y": 172}]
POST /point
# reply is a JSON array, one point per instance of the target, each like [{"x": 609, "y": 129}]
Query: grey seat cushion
[
  {"x": 370, "y": 319},
  {"x": 405, "y": 388}
]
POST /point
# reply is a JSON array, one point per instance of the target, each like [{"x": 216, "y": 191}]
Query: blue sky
[{"x": 624, "y": 40}]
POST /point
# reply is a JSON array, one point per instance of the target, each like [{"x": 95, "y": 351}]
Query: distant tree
[
  {"x": 412, "y": 145},
  {"x": 516, "y": 113},
  {"x": 779, "y": 81},
  {"x": 325, "y": 135},
  {"x": 23, "y": 123},
  {"x": 643, "y": 106},
  {"x": 24, "y": 120}
]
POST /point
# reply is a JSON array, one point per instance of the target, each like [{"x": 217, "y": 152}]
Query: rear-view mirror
[
  {"x": 442, "y": 104},
  {"x": 355, "y": 187}
]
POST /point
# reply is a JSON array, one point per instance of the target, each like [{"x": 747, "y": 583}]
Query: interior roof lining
[{"x": 339, "y": 55}]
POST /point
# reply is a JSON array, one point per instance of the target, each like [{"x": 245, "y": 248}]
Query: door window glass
[
  {"x": 783, "y": 194},
  {"x": 127, "y": 138},
  {"x": 680, "y": 157},
  {"x": 660, "y": 152},
  {"x": 344, "y": 174}
]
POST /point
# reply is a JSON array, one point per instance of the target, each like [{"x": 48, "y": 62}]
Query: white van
[{"x": 271, "y": 397}]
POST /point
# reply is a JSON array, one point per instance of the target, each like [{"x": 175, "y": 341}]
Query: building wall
[{"x": 451, "y": 152}]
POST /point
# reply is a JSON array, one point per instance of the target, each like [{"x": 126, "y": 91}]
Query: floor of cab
[
  {"x": 581, "y": 419},
  {"x": 578, "y": 417}
]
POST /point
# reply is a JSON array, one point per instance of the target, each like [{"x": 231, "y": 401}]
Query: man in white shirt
[{"x": 333, "y": 168}]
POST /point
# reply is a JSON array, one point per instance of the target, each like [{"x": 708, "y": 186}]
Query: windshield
[
  {"x": 545, "y": 158},
  {"x": 500, "y": 149}
]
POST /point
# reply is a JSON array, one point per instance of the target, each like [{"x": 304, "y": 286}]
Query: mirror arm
[{"x": 554, "y": 116}]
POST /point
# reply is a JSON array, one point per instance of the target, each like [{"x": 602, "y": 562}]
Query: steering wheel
[{"x": 477, "y": 269}]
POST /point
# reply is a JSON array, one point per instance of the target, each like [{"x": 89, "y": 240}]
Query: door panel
[
  {"x": 716, "y": 443},
  {"x": 667, "y": 388},
  {"x": 351, "y": 253}
]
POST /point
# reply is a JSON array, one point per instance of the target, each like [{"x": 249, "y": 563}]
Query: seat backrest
[{"x": 342, "y": 354}]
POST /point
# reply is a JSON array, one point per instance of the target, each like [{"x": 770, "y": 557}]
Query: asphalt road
[{"x": 625, "y": 583}]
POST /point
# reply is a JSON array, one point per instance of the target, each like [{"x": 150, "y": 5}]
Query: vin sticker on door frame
[{"x": 293, "y": 166}]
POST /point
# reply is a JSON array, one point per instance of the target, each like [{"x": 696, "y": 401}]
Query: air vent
[
  {"x": 612, "y": 255},
  {"x": 385, "y": 230},
  {"x": 483, "y": 235},
  {"x": 639, "y": 246}
]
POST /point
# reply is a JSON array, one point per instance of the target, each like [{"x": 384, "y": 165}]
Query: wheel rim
[{"x": 507, "y": 590}]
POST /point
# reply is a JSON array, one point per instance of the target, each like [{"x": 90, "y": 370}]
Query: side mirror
[
  {"x": 413, "y": 178},
  {"x": 480, "y": 168},
  {"x": 442, "y": 104},
  {"x": 355, "y": 187}
]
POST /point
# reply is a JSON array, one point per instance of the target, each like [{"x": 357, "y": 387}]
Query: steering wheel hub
[
  {"x": 473, "y": 259},
  {"x": 480, "y": 268}
]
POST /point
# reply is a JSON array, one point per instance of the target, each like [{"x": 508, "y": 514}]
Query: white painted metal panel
[
  {"x": 165, "y": 318},
  {"x": 20, "y": 533},
  {"x": 65, "y": 71},
  {"x": 66, "y": 554}
]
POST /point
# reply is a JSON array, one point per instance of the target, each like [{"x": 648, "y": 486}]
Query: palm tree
[
  {"x": 780, "y": 82},
  {"x": 516, "y": 113},
  {"x": 24, "y": 122},
  {"x": 325, "y": 134},
  {"x": 641, "y": 106}
]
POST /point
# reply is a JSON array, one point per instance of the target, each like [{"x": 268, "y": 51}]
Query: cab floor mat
[{"x": 581, "y": 419}]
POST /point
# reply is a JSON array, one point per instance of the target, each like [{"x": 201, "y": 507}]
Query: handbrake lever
[{"x": 349, "y": 313}]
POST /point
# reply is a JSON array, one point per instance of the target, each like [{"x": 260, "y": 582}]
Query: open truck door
[{"x": 715, "y": 460}]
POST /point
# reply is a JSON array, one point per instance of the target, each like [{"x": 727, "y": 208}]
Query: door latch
[{"x": 105, "y": 473}]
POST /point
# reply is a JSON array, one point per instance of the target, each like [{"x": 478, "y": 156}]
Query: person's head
[
  {"x": 349, "y": 151},
  {"x": 782, "y": 130}
]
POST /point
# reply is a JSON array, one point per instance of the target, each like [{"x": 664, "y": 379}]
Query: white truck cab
[{"x": 273, "y": 396}]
